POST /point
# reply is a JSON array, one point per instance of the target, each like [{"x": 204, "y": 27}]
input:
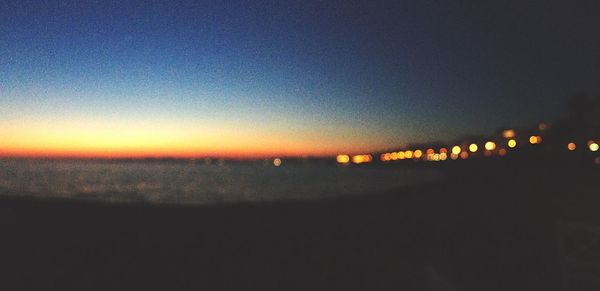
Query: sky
[{"x": 294, "y": 78}]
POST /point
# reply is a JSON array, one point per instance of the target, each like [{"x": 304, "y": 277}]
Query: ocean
[{"x": 198, "y": 182}]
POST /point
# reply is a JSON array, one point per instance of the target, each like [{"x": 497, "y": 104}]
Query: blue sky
[{"x": 361, "y": 75}]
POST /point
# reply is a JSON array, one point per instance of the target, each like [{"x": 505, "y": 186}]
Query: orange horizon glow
[{"x": 85, "y": 139}]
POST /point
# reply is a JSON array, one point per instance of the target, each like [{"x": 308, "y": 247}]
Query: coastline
[{"x": 477, "y": 230}]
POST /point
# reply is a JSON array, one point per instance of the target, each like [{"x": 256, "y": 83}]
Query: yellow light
[
  {"x": 394, "y": 156},
  {"x": 512, "y": 143},
  {"x": 509, "y": 133},
  {"x": 464, "y": 155},
  {"x": 593, "y": 147},
  {"x": 436, "y": 157},
  {"x": 408, "y": 154},
  {"x": 502, "y": 152},
  {"x": 456, "y": 150},
  {"x": 400, "y": 155},
  {"x": 277, "y": 162},
  {"x": 473, "y": 147},
  {"x": 490, "y": 146},
  {"x": 418, "y": 154},
  {"x": 443, "y": 151},
  {"x": 571, "y": 146},
  {"x": 342, "y": 159}
]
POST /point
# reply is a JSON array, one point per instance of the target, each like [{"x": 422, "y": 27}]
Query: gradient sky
[{"x": 259, "y": 78}]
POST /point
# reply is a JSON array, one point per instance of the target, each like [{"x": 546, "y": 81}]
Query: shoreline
[{"x": 478, "y": 233}]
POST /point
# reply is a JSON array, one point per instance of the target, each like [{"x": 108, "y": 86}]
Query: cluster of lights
[
  {"x": 356, "y": 159},
  {"x": 457, "y": 152}
]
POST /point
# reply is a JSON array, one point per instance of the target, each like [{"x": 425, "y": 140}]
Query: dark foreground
[{"x": 479, "y": 230}]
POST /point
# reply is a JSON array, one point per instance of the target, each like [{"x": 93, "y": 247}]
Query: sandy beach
[{"x": 485, "y": 227}]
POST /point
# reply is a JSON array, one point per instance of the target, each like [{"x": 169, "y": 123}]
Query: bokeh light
[
  {"x": 509, "y": 133},
  {"x": 571, "y": 146},
  {"x": 418, "y": 154},
  {"x": 277, "y": 162},
  {"x": 593, "y": 146},
  {"x": 490, "y": 145},
  {"x": 456, "y": 150},
  {"x": 473, "y": 147},
  {"x": 512, "y": 143},
  {"x": 343, "y": 159}
]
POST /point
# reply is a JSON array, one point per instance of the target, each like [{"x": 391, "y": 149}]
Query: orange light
[
  {"x": 443, "y": 156},
  {"x": 509, "y": 133},
  {"x": 359, "y": 159},
  {"x": 571, "y": 146},
  {"x": 343, "y": 159},
  {"x": 490, "y": 146},
  {"x": 488, "y": 153},
  {"x": 418, "y": 154},
  {"x": 542, "y": 126},
  {"x": 430, "y": 151},
  {"x": 443, "y": 151},
  {"x": 464, "y": 155},
  {"x": 454, "y": 156},
  {"x": 394, "y": 156},
  {"x": 535, "y": 139},
  {"x": 277, "y": 162},
  {"x": 502, "y": 152},
  {"x": 512, "y": 143},
  {"x": 473, "y": 147},
  {"x": 456, "y": 150}
]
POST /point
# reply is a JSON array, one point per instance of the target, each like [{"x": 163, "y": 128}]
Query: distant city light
[
  {"x": 408, "y": 154},
  {"x": 456, "y": 150},
  {"x": 509, "y": 133},
  {"x": 535, "y": 139},
  {"x": 443, "y": 151},
  {"x": 597, "y": 160},
  {"x": 512, "y": 143},
  {"x": 464, "y": 155},
  {"x": 490, "y": 146},
  {"x": 593, "y": 146},
  {"x": 473, "y": 148},
  {"x": 430, "y": 151},
  {"x": 443, "y": 156},
  {"x": 571, "y": 146},
  {"x": 394, "y": 156},
  {"x": 487, "y": 153},
  {"x": 502, "y": 152},
  {"x": 343, "y": 159},
  {"x": 418, "y": 154},
  {"x": 454, "y": 156},
  {"x": 542, "y": 126},
  {"x": 359, "y": 159},
  {"x": 401, "y": 155},
  {"x": 277, "y": 162}
]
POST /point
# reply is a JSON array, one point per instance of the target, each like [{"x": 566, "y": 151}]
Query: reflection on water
[{"x": 189, "y": 183}]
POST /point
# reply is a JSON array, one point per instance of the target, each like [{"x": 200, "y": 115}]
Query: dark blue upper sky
[{"x": 372, "y": 73}]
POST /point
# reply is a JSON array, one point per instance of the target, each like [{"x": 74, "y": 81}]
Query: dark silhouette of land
[{"x": 491, "y": 225}]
